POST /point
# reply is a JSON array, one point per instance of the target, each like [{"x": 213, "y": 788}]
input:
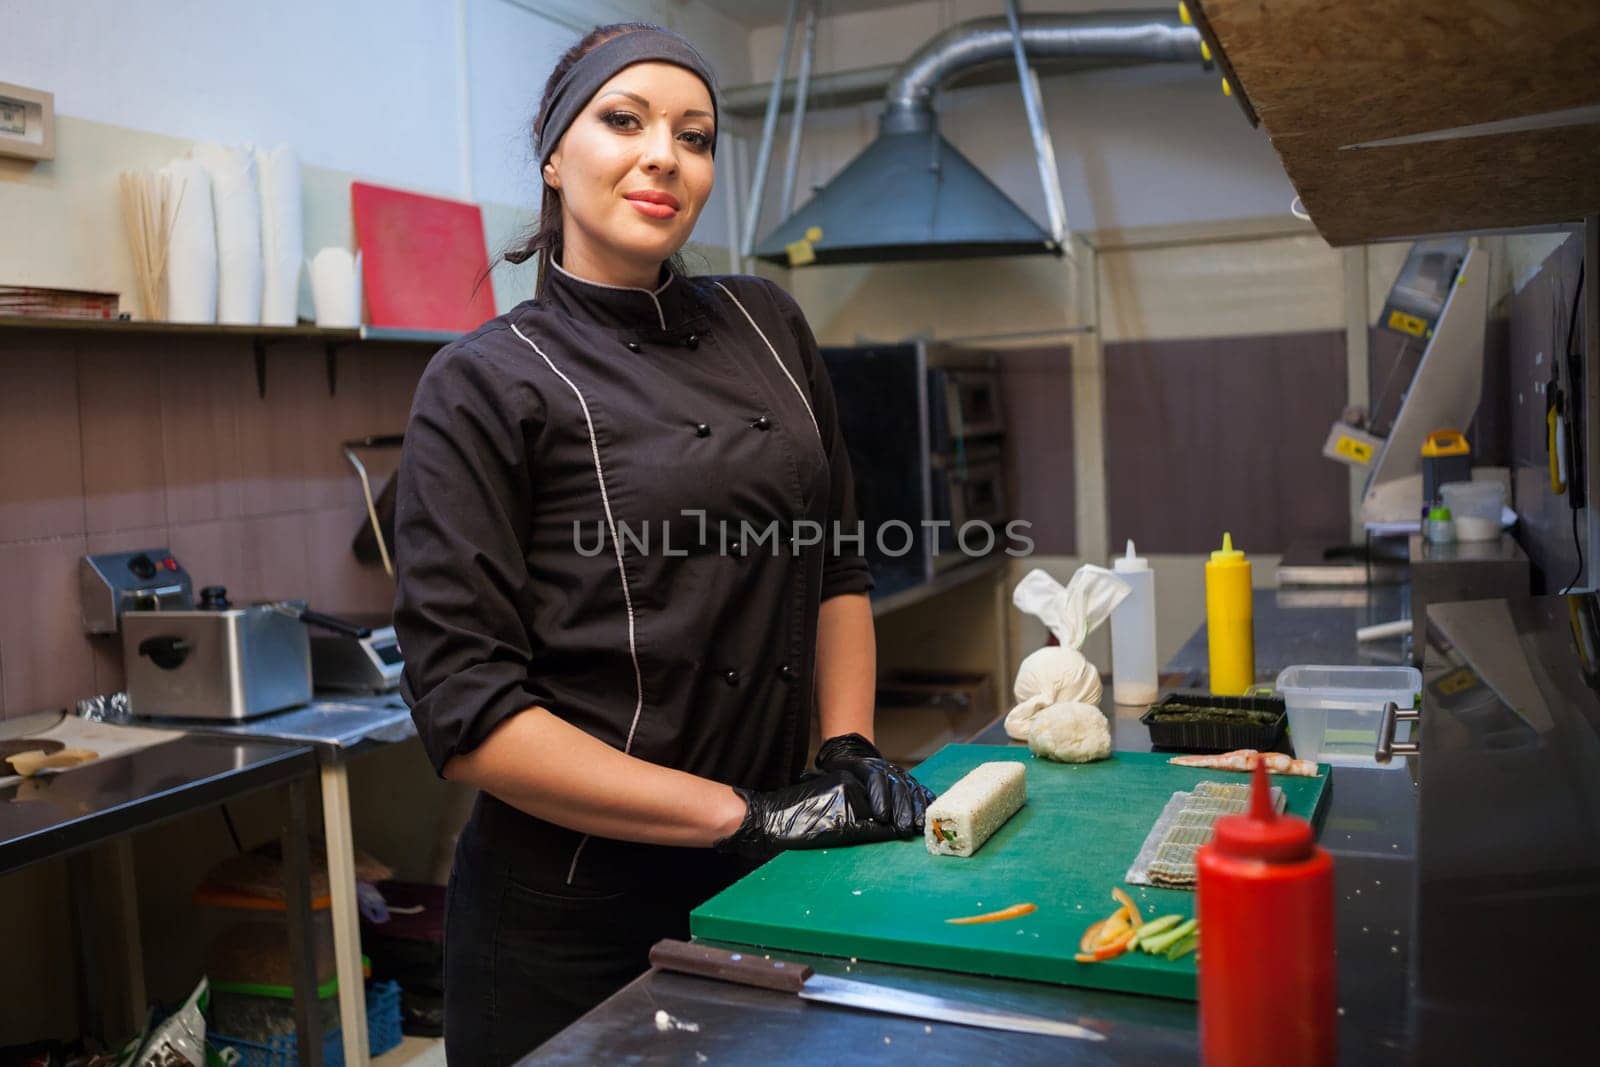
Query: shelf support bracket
[
  {"x": 259, "y": 346},
  {"x": 330, "y": 357}
]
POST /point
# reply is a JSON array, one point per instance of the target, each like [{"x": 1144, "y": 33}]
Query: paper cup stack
[{"x": 234, "y": 239}]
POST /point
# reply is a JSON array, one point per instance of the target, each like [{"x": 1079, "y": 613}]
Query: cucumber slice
[
  {"x": 1154, "y": 927},
  {"x": 1161, "y": 942},
  {"x": 1184, "y": 946}
]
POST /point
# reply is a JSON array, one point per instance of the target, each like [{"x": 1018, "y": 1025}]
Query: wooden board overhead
[{"x": 1325, "y": 75}]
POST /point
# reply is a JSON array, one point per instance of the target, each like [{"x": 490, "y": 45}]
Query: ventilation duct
[{"x": 910, "y": 194}]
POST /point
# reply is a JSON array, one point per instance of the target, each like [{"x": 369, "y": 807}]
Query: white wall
[
  {"x": 362, "y": 85},
  {"x": 1151, "y": 146},
  {"x": 432, "y": 95}
]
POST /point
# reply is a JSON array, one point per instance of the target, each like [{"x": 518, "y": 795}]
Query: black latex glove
[
  {"x": 819, "y": 811},
  {"x": 895, "y": 797}
]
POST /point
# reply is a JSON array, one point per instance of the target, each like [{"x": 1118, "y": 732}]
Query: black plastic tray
[{"x": 1215, "y": 736}]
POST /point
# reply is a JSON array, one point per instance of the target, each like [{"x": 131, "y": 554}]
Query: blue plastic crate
[
  {"x": 282, "y": 1050},
  {"x": 383, "y": 1017}
]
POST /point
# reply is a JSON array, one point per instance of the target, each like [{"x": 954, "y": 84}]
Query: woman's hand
[
  {"x": 819, "y": 811},
  {"x": 893, "y": 795}
]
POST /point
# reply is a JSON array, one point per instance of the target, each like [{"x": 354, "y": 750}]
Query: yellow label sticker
[
  {"x": 1399, "y": 320},
  {"x": 1455, "y": 682},
  {"x": 1349, "y": 447}
]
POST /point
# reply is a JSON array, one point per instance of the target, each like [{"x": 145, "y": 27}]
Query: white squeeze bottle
[{"x": 1133, "y": 634}]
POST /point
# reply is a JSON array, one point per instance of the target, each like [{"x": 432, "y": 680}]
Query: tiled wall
[
  {"x": 1036, "y": 391},
  {"x": 1225, "y": 434},
  {"x": 113, "y": 443}
]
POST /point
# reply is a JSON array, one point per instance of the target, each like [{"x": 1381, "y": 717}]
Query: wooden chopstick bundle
[{"x": 150, "y": 202}]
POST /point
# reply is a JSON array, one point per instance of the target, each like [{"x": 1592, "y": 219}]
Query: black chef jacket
[{"x": 548, "y": 453}]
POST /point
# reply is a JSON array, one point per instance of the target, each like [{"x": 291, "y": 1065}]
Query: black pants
[{"x": 526, "y": 953}]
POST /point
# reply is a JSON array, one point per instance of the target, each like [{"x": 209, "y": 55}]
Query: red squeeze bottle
[{"x": 1266, "y": 933}]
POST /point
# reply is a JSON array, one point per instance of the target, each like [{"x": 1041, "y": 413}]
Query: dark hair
[{"x": 545, "y": 238}]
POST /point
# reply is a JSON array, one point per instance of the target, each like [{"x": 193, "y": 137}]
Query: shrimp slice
[{"x": 1244, "y": 760}]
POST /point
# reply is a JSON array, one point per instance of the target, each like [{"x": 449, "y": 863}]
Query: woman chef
[{"x": 629, "y": 569}]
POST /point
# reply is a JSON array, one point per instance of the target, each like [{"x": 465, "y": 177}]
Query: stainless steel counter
[
  {"x": 335, "y": 723},
  {"x": 1369, "y": 826},
  {"x": 65, "y": 813},
  {"x": 337, "y": 728},
  {"x": 57, "y": 813}
]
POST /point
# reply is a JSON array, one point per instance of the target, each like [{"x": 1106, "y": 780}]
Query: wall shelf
[{"x": 260, "y": 337}]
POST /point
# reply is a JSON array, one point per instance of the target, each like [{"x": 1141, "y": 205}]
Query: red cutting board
[{"x": 421, "y": 259}]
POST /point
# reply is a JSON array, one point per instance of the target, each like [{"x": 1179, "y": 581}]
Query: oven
[{"x": 925, "y": 428}]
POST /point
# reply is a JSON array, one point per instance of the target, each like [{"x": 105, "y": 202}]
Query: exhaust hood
[{"x": 911, "y": 195}]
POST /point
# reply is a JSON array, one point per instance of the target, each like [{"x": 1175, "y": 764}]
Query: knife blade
[{"x": 787, "y": 976}]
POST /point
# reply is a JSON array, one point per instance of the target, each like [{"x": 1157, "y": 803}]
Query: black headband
[{"x": 598, "y": 66}]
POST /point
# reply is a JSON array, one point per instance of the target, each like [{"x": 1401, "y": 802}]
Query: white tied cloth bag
[
  {"x": 1061, "y": 675},
  {"x": 1051, "y": 676}
]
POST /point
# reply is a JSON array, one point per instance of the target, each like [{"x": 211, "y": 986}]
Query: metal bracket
[
  {"x": 1043, "y": 146},
  {"x": 259, "y": 346},
  {"x": 330, "y": 356},
  {"x": 769, "y": 130},
  {"x": 797, "y": 120}
]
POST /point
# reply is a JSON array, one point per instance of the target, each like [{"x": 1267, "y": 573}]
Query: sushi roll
[{"x": 969, "y": 812}]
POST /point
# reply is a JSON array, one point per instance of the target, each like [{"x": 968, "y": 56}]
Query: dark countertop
[
  {"x": 56, "y": 813},
  {"x": 1368, "y": 824},
  {"x": 1312, "y": 625}
]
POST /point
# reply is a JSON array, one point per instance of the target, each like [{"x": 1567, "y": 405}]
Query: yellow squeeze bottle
[{"x": 1230, "y": 621}]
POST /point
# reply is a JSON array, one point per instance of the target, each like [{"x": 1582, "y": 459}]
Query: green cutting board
[{"x": 1064, "y": 851}]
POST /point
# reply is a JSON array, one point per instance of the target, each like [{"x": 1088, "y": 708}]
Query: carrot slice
[
  {"x": 1016, "y": 911},
  {"x": 1128, "y": 906},
  {"x": 1115, "y": 948},
  {"x": 1089, "y": 936},
  {"x": 1115, "y": 927},
  {"x": 1108, "y": 951}
]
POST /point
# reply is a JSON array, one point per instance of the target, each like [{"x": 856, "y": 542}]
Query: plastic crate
[
  {"x": 383, "y": 1034},
  {"x": 1215, "y": 736}
]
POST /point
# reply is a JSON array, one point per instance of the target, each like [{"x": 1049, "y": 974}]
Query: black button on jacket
[{"x": 549, "y": 452}]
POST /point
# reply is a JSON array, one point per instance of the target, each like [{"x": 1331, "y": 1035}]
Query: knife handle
[{"x": 745, "y": 968}]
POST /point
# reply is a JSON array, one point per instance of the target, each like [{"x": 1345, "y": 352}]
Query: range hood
[{"x": 910, "y": 195}]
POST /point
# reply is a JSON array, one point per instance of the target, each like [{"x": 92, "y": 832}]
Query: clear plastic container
[
  {"x": 1476, "y": 507},
  {"x": 1334, "y": 712}
]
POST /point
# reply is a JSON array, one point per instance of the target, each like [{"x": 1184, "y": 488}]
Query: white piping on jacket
[
  {"x": 622, "y": 570},
  {"x": 759, "y": 332},
  {"x": 605, "y": 500},
  {"x": 651, "y": 293}
]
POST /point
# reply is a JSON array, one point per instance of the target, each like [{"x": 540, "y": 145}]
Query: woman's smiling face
[{"x": 634, "y": 171}]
